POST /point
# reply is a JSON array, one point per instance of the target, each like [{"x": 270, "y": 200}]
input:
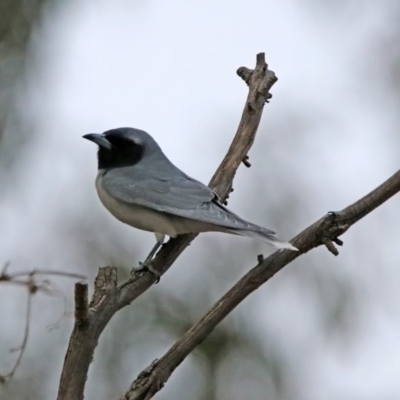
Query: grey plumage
[{"x": 141, "y": 187}]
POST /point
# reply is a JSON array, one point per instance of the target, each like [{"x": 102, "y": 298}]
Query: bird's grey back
[{"x": 163, "y": 187}]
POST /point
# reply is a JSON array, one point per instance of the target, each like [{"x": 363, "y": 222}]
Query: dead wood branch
[{"x": 108, "y": 297}]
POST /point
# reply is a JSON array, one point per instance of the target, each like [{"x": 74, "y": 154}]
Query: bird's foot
[
  {"x": 334, "y": 213},
  {"x": 147, "y": 266}
]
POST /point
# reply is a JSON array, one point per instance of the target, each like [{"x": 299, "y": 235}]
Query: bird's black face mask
[{"x": 116, "y": 151}]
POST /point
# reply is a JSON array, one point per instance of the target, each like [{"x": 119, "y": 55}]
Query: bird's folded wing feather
[{"x": 179, "y": 195}]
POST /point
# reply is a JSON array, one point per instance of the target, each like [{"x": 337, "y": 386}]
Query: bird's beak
[{"x": 99, "y": 140}]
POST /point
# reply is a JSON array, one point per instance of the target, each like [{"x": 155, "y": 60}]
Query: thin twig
[
  {"x": 21, "y": 349},
  {"x": 49, "y": 272}
]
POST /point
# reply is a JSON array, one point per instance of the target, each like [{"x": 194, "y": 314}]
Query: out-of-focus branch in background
[{"x": 33, "y": 283}]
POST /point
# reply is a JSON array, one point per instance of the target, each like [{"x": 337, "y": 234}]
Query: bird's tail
[{"x": 265, "y": 236}]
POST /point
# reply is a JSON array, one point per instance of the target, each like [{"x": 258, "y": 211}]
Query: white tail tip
[{"x": 284, "y": 245}]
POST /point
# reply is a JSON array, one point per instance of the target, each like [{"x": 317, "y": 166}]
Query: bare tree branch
[
  {"x": 323, "y": 232},
  {"x": 48, "y": 272},
  {"x": 108, "y": 297}
]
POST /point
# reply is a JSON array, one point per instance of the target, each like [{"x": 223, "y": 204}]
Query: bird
[{"x": 141, "y": 187}]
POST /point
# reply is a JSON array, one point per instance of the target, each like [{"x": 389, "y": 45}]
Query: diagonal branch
[
  {"x": 108, "y": 297},
  {"x": 324, "y": 231}
]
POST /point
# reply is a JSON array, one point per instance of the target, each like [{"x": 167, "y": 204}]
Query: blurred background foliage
[
  {"x": 324, "y": 327},
  {"x": 17, "y": 22}
]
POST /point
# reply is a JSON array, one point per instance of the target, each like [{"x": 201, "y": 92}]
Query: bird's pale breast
[{"x": 137, "y": 216}]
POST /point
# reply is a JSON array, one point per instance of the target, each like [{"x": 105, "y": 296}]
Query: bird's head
[{"x": 123, "y": 147}]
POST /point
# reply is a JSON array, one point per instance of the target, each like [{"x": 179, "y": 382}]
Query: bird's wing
[{"x": 176, "y": 194}]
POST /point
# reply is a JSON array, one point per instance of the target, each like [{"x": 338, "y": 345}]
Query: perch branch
[
  {"x": 323, "y": 232},
  {"x": 110, "y": 298}
]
